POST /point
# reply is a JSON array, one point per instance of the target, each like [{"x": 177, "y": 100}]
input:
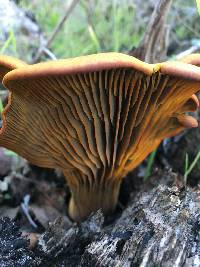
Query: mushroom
[
  {"x": 8, "y": 63},
  {"x": 96, "y": 118},
  {"x": 193, "y": 59}
]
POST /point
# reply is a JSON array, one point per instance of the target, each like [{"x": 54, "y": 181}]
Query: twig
[
  {"x": 38, "y": 188},
  {"x": 184, "y": 23},
  {"x": 25, "y": 208},
  {"x": 154, "y": 43},
  {"x": 49, "y": 53},
  {"x": 189, "y": 51},
  {"x": 41, "y": 50}
]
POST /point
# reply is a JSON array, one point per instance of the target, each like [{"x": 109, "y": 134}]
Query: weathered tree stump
[{"x": 160, "y": 227}]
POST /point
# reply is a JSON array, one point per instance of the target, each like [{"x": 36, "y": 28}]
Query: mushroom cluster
[{"x": 95, "y": 117}]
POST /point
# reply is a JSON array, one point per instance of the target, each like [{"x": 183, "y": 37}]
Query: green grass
[
  {"x": 150, "y": 163},
  {"x": 99, "y": 26},
  {"x": 93, "y": 26},
  {"x": 198, "y": 6},
  {"x": 94, "y": 38},
  {"x": 1, "y": 106},
  {"x": 188, "y": 168},
  {"x": 10, "y": 43}
]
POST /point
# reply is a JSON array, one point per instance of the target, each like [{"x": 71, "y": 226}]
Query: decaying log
[
  {"x": 14, "y": 249},
  {"x": 160, "y": 227}
]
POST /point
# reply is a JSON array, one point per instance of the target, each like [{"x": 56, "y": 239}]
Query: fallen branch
[{"x": 153, "y": 46}]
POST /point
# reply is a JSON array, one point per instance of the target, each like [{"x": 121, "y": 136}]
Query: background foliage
[{"x": 96, "y": 26}]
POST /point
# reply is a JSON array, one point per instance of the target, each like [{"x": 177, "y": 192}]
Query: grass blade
[
  {"x": 198, "y": 6},
  {"x": 149, "y": 165},
  {"x": 94, "y": 38},
  {"x": 188, "y": 168}
]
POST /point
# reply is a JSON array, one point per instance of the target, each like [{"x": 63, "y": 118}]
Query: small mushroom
[
  {"x": 193, "y": 59},
  {"x": 96, "y": 118}
]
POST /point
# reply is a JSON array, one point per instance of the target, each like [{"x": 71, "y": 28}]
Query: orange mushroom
[
  {"x": 193, "y": 59},
  {"x": 96, "y": 118},
  {"x": 8, "y": 63}
]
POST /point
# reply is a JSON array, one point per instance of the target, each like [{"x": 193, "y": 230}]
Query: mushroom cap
[
  {"x": 96, "y": 116},
  {"x": 8, "y": 63},
  {"x": 178, "y": 69},
  {"x": 193, "y": 59},
  {"x": 84, "y": 64}
]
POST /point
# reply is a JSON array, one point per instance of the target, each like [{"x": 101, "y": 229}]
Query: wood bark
[
  {"x": 160, "y": 227},
  {"x": 154, "y": 44}
]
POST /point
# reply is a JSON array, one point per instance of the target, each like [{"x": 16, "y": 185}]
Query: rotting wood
[{"x": 160, "y": 227}]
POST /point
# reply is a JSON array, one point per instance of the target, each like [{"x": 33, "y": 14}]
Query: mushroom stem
[{"x": 85, "y": 200}]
